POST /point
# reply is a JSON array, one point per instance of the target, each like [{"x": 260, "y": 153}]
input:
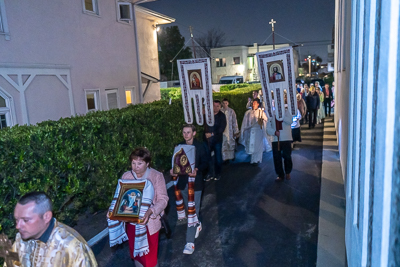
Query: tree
[
  {"x": 213, "y": 38},
  {"x": 171, "y": 42}
]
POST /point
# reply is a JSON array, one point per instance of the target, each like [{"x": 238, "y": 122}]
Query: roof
[
  {"x": 146, "y": 77},
  {"x": 155, "y": 16}
]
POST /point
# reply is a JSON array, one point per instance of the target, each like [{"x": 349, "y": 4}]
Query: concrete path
[
  {"x": 331, "y": 240},
  {"x": 248, "y": 218}
]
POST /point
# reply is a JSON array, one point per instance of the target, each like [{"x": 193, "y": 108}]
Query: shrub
[{"x": 78, "y": 160}]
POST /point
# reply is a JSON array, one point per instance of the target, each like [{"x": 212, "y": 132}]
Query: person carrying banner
[
  {"x": 188, "y": 188},
  {"x": 281, "y": 144}
]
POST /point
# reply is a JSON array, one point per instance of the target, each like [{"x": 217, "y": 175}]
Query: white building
[
  {"x": 62, "y": 58},
  {"x": 241, "y": 61},
  {"x": 367, "y": 119}
]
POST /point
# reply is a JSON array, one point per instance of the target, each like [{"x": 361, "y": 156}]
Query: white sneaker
[
  {"x": 198, "y": 230},
  {"x": 189, "y": 248}
]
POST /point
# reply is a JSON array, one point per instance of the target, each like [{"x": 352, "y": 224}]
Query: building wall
[
  {"x": 99, "y": 51},
  {"x": 367, "y": 53},
  {"x": 147, "y": 37},
  {"x": 242, "y": 69}
]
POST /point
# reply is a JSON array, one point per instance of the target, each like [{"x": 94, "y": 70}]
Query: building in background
[
  {"x": 241, "y": 61},
  {"x": 82, "y": 56},
  {"x": 367, "y": 120}
]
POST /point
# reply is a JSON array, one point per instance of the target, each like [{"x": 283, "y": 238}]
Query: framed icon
[
  {"x": 275, "y": 71},
  {"x": 129, "y": 202},
  {"x": 195, "y": 81}
]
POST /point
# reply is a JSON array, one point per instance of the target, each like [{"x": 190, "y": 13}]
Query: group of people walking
[
  {"x": 318, "y": 102},
  {"x": 38, "y": 230}
]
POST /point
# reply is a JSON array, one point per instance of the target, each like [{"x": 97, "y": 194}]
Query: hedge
[{"x": 78, "y": 160}]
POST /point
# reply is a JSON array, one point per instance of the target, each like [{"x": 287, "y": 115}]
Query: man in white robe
[
  {"x": 231, "y": 132},
  {"x": 253, "y": 133}
]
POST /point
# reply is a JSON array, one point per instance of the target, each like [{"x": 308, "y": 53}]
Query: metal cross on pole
[{"x": 272, "y": 22}]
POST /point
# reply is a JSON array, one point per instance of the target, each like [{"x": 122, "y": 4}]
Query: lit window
[
  {"x": 90, "y": 7},
  {"x": 124, "y": 12},
  {"x": 129, "y": 95},
  {"x": 221, "y": 62},
  {"x": 112, "y": 98},
  {"x": 92, "y": 99},
  {"x": 236, "y": 60}
]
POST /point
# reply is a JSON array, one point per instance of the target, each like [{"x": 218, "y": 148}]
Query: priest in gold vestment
[{"x": 42, "y": 241}]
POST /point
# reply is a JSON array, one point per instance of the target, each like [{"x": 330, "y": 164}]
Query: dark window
[
  {"x": 221, "y": 62},
  {"x": 3, "y": 122},
  {"x": 236, "y": 60}
]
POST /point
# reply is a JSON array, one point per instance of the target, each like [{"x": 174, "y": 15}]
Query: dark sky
[{"x": 246, "y": 22}]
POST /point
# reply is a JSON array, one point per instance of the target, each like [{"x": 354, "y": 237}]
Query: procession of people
[{"x": 135, "y": 213}]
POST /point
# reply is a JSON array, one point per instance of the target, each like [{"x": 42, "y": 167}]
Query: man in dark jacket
[
  {"x": 201, "y": 163},
  {"x": 312, "y": 106},
  {"x": 213, "y": 136},
  {"x": 328, "y": 96}
]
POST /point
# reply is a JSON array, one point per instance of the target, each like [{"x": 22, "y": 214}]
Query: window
[
  {"x": 5, "y": 113},
  {"x": 221, "y": 62},
  {"x": 3, "y": 21},
  {"x": 250, "y": 62},
  {"x": 92, "y": 99},
  {"x": 112, "y": 98},
  {"x": 90, "y": 7},
  {"x": 236, "y": 60},
  {"x": 129, "y": 95},
  {"x": 124, "y": 12}
]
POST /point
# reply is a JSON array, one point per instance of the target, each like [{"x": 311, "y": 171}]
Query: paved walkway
[{"x": 248, "y": 218}]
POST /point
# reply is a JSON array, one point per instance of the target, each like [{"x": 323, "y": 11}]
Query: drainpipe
[{"x": 139, "y": 71}]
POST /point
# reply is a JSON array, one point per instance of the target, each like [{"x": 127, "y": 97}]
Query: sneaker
[
  {"x": 198, "y": 230},
  {"x": 208, "y": 178},
  {"x": 217, "y": 178},
  {"x": 189, "y": 248}
]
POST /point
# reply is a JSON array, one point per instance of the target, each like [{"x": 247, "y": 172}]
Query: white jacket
[{"x": 286, "y": 132}]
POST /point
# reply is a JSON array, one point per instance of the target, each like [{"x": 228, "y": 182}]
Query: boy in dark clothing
[
  {"x": 201, "y": 163},
  {"x": 213, "y": 136}
]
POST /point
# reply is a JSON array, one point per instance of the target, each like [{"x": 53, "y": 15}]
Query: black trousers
[
  {"x": 312, "y": 117},
  {"x": 285, "y": 153},
  {"x": 327, "y": 104}
]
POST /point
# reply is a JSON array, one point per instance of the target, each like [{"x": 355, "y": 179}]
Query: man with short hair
[
  {"x": 249, "y": 104},
  {"x": 44, "y": 241},
  {"x": 213, "y": 136},
  {"x": 201, "y": 163},
  {"x": 231, "y": 132}
]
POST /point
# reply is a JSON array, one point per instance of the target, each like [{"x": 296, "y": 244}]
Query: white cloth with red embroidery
[
  {"x": 116, "y": 229},
  {"x": 277, "y": 74},
  {"x": 195, "y": 80}
]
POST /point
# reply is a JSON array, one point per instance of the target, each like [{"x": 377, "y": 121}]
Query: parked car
[{"x": 231, "y": 80}]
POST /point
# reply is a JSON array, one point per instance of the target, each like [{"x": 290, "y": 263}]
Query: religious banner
[
  {"x": 183, "y": 160},
  {"x": 131, "y": 196},
  {"x": 195, "y": 79},
  {"x": 276, "y": 69}
]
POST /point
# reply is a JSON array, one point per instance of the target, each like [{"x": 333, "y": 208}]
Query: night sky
[{"x": 246, "y": 22}]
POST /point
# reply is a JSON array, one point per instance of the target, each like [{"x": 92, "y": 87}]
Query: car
[{"x": 231, "y": 80}]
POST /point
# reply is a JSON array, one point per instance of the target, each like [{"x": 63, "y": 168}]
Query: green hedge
[{"x": 78, "y": 160}]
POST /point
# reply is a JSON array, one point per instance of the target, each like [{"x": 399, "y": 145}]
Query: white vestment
[
  {"x": 253, "y": 136},
  {"x": 228, "y": 142}
]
